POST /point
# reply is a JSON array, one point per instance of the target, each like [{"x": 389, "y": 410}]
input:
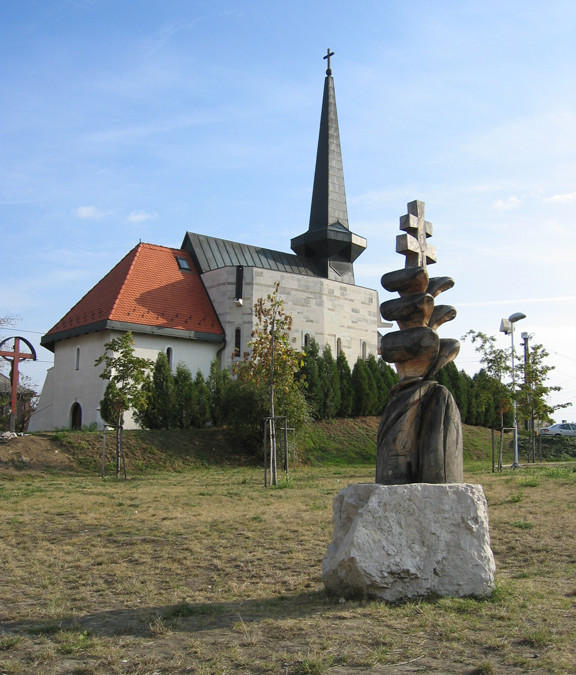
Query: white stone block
[{"x": 397, "y": 542}]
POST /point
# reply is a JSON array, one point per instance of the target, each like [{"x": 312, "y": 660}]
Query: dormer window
[{"x": 183, "y": 263}]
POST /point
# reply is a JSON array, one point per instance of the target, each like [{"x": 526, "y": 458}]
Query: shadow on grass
[
  {"x": 189, "y": 617},
  {"x": 196, "y": 617}
]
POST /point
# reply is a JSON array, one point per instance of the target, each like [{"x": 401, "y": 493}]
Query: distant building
[
  {"x": 24, "y": 398},
  {"x": 196, "y": 303}
]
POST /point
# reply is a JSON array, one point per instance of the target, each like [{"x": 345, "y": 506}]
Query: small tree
[
  {"x": 126, "y": 373},
  {"x": 346, "y": 391},
  {"x": 531, "y": 395},
  {"x": 201, "y": 415},
  {"x": 459, "y": 385},
  {"x": 380, "y": 379},
  {"x": 331, "y": 384},
  {"x": 158, "y": 410},
  {"x": 186, "y": 397},
  {"x": 311, "y": 379},
  {"x": 496, "y": 361},
  {"x": 274, "y": 361},
  {"x": 245, "y": 405},
  {"x": 497, "y": 365},
  {"x": 218, "y": 382},
  {"x": 365, "y": 391},
  {"x": 533, "y": 392},
  {"x": 489, "y": 402}
]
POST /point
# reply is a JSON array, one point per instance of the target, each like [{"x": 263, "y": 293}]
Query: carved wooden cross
[
  {"x": 328, "y": 55},
  {"x": 15, "y": 356},
  {"x": 413, "y": 244}
]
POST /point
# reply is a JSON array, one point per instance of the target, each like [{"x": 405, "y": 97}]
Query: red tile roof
[{"x": 147, "y": 287}]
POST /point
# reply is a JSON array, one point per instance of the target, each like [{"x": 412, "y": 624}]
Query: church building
[{"x": 196, "y": 302}]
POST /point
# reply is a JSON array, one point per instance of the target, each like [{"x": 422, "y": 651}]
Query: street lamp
[{"x": 507, "y": 326}]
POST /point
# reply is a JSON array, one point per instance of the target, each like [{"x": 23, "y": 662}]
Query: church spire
[
  {"x": 329, "y": 195},
  {"x": 329, "y": 240}
]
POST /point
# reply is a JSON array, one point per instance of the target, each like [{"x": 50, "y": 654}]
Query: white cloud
[
  {"x": 561, "y": 199},
  {"x": 507, "y": 204},
  {"x": 141, "y": 216},
  {"x": 90, "y": 213}
]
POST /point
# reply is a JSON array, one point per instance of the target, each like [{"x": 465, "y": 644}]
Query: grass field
[{"x": 205, "y": 571}]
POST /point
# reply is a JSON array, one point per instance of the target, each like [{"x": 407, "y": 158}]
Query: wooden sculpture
[{"x": 420, "y": 434}]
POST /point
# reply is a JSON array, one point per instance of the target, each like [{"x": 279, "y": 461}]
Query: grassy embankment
[{"x": 336, "y": 442}]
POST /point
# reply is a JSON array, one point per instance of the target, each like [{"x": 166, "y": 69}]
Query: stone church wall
[{"x": 331, "y": 312}]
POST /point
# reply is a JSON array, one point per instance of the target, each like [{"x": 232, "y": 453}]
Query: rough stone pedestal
[{"x": 396, "y": 542}]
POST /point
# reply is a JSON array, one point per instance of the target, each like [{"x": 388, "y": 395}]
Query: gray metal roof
[{"x": 211, "y": 253}]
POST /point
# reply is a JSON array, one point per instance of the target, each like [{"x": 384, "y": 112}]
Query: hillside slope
[{"x": 341, "y": 441}]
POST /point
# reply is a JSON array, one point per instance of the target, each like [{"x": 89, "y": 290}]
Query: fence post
[
  {"x": 286, "y": 454},
  {"x": 265, "y": 450},
  {"x": 492, "y": 450}
]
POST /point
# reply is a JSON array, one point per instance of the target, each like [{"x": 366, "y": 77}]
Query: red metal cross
[{"x": 15, "y": 356}]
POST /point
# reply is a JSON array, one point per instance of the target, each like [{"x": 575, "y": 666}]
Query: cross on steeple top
[
  {"x": 413, "y": 244},
  {"x": 328, "y": 55}
]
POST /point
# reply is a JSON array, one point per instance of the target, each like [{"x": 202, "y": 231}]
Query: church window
[
  {"x": 169, "y": 356},
  {"x": 239, "y": 290},
  {"x": 183, "y": 263},
  {"x": 364, "y": 354},
  {"x": 77, "y": 359},
  {"x": 338, "y": 346},
  {"x": 307, "y": 341},
  {"x": 237, "y": 342}
]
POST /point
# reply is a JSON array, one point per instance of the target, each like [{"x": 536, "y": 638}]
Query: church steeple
[
  {"x": 329, "y": 194},
  {"x": 328, "y": 239}
]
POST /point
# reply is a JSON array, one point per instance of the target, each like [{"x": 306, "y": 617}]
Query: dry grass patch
[{"x": 208, "y": 572}]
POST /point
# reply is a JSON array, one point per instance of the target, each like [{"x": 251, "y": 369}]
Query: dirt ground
[{"x": 33, "y": 455}]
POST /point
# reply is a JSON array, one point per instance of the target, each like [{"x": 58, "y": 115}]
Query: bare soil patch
[{"x": 34, "y": 454}]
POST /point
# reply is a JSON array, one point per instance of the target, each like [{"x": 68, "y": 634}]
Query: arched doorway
[{"x": 76, "y": 416}]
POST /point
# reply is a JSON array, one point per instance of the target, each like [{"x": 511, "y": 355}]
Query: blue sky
[{"x": 139, "y": 120}]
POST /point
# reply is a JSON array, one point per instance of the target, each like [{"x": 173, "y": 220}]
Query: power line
[{"x": 22, "y": 330}]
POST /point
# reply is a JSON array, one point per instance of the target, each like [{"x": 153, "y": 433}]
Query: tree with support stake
[
  {"x": 269, "y": 428},
  {"x": 532, "y": 395},
  {"x": 125, "y": 373},
  {"x": 273, "y": 467},
  {"x": 273, "y": 363},
  {"x": 11, "y": 351}
]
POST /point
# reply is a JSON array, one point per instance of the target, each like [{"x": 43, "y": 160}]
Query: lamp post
[{"x": 507, "y": 326}]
